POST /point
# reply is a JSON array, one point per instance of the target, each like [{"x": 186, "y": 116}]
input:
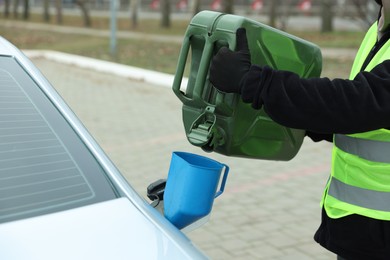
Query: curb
[
  {"x": 148, "y": 76},
  {"x": 134, "y": 73}
]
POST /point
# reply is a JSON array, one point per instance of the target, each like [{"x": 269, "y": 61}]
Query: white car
[{"x": 60, "y": 196}]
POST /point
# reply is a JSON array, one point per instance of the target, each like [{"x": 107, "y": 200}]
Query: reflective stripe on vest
[
  {"x": 365, "y": 198},
  {"x": 370, "y": 150}
]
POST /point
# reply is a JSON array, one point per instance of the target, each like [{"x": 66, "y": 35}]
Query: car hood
[{"x": 109, "y": 230}]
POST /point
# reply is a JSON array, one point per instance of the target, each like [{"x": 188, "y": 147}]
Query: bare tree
[
  {"x": 367, "y": 11},
  {"x": 59, "y": 11},
  {"x": 285, "y": 13},
  {"x": 327, "y": 16},
  {"x": 273, "y": 13},
  {"x": 84, "y": 10},
  {"x": 46, "y": 13},
  {"x": 6, "y": 7},
  {"x": 15, "y": 11},
  {"x": 195, "y": 6},
  {"x": 26, "y": 9},
  {"x": 165, "y": 13},
  {"x": 134, "y": 13},
  {"x": 228, "y": 6}
]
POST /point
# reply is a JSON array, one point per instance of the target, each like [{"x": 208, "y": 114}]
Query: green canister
[{"x": 221, "y": 122}]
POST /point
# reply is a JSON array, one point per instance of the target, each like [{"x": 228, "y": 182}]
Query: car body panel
[
  {"x": 113, "y": 229},
  {"x": 124, "y": 227}
]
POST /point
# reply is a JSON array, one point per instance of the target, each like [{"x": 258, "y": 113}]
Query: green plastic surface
[{"x": 221, "y": 122}]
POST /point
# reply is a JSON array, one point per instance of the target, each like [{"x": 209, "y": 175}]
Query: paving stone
[{"x": 269, "y": 210}]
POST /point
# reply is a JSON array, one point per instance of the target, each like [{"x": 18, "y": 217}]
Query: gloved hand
[{"x": 229, "y": 68}]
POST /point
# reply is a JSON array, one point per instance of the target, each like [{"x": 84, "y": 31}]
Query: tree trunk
[
  {"x": 285, "y": 14},
  {"x": 16, "y": 5},
  {"x": 26, "y": 10},
  {"x": 59, "y": 11},
  {"x": 134, "y": 13},
  {"x": 6, "y": 8},
  {"x": 46, "y": 13},
  {"x": 84, "y": 11},
  {"x": 327, "y": 16},
  {"x": 195, "y": 7},
  {"x": 165, "y": 13},
  {"x": 228, "y": 6},
  {"x": 272, "y": 13}
]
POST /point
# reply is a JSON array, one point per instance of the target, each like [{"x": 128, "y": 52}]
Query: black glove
[
  {"x": 317, "y": 137},
  {"x": 229, "y": 68}
]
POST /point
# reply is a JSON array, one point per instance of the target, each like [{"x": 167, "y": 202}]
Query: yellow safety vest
[{"x": 360, "y": 175}]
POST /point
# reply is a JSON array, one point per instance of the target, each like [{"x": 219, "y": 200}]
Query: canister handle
[{"x": 180, "y": 70}]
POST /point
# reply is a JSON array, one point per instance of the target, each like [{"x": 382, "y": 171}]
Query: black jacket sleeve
[{"x": 322, "y": 105}]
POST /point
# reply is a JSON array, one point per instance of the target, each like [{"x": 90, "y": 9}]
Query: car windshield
[{"x": 44, "y": 165}]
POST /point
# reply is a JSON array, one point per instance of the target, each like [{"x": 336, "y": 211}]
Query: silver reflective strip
[
  {"x": 371, "y": 150},
  {"x": 376, "y": 200}
]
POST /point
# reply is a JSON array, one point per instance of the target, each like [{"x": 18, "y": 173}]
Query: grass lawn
[{"x": 146, "y": 53}]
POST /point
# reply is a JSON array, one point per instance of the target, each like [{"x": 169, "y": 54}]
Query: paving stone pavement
[{"x": 269, "y": 210}]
